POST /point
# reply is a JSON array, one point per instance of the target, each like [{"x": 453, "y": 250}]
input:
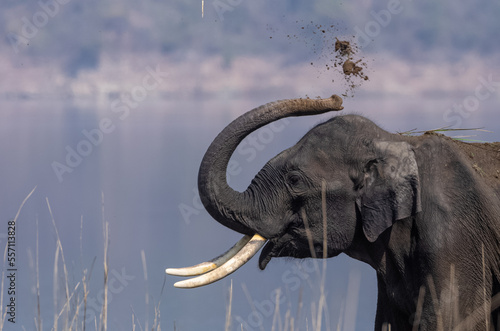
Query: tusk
[
  {"x": 204, "y": 267},
  {"x": 239, "y": 259}
]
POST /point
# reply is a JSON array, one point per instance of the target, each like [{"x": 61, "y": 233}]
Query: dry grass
[
  {"x": 105, "y": 230},
  {"x": 445, "y": 130},
  {"x": 3, "y": 314},
  {"x": 229, "y": 307},
  {"x": 71, "y": 312},
  {"x": 38, "y": 320}
]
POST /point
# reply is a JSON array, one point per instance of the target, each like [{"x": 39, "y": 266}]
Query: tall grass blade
[
  {"x": 322, "y": 298},
  {"x": 38, "y": 320},
  {"x": 276, "y": 315},
  {"x": 65, "y": 270},
  {"x": 435, "y": 301},
  {"x": 146, "y": 299},
  {"x": 156, "y": 323},
  {"x": 486, "y": 299},
  {"x": 250, "y": 302},
  {"x": 85, "y": 281},
  {"x": 229, "y": 307},
  {"x": 104, "y": 312},
  {"x": 351, "y": 306},
  {"x": 420, "y": 304}
]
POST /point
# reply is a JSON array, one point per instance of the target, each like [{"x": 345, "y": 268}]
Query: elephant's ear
[{"x": 391, "y": 189}]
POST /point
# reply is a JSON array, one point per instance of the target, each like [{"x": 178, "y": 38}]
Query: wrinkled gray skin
[{"x": 414, "y": 208}]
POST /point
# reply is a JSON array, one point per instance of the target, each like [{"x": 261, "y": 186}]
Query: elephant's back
[{"x": 485, "y": 159}]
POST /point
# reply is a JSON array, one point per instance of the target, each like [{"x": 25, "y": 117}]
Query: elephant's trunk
[{"x": 227, "y": 206}]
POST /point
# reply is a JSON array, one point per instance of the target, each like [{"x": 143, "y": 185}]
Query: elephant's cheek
[{"x": 345, "y": 239}]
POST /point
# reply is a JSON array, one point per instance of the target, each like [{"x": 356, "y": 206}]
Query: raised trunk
[{"x": 229, "y": 207}]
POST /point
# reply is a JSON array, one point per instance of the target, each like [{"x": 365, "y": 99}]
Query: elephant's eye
[
  {"x": 293, "y": 179},
  {"x": 296, "y": 183}
]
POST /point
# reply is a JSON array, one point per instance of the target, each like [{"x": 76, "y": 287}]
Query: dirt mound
[{"x": 485, "y": 158}]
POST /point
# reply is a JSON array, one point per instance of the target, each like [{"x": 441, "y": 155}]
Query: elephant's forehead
[
  {"x": 316, "y": 155},
  {"x": 318, "y": 145}
]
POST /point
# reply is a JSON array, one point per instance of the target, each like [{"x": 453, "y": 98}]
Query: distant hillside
[{"x": 77, "y": 32}]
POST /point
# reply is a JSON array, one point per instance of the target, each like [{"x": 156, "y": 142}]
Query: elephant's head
[{"x": 345, "y": 179}]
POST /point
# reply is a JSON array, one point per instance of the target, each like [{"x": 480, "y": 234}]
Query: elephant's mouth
[
  {"x": 274, "y": 248},
  {"x": 294, "y": 243},
  {"x": 285, "y": 245},
  {"x": 268, "y": 252}
]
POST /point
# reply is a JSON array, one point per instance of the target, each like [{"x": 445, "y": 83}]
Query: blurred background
[{"x": 107, "y": 107}]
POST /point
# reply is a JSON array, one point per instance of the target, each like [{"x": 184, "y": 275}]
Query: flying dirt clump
[
  {"x": 345, "y": 53},
  {"x": 343, "y": 48},
  {"x": 350, "y": 68}
]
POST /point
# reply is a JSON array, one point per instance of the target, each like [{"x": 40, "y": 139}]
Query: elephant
[{"x": 423, "y": 211}]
